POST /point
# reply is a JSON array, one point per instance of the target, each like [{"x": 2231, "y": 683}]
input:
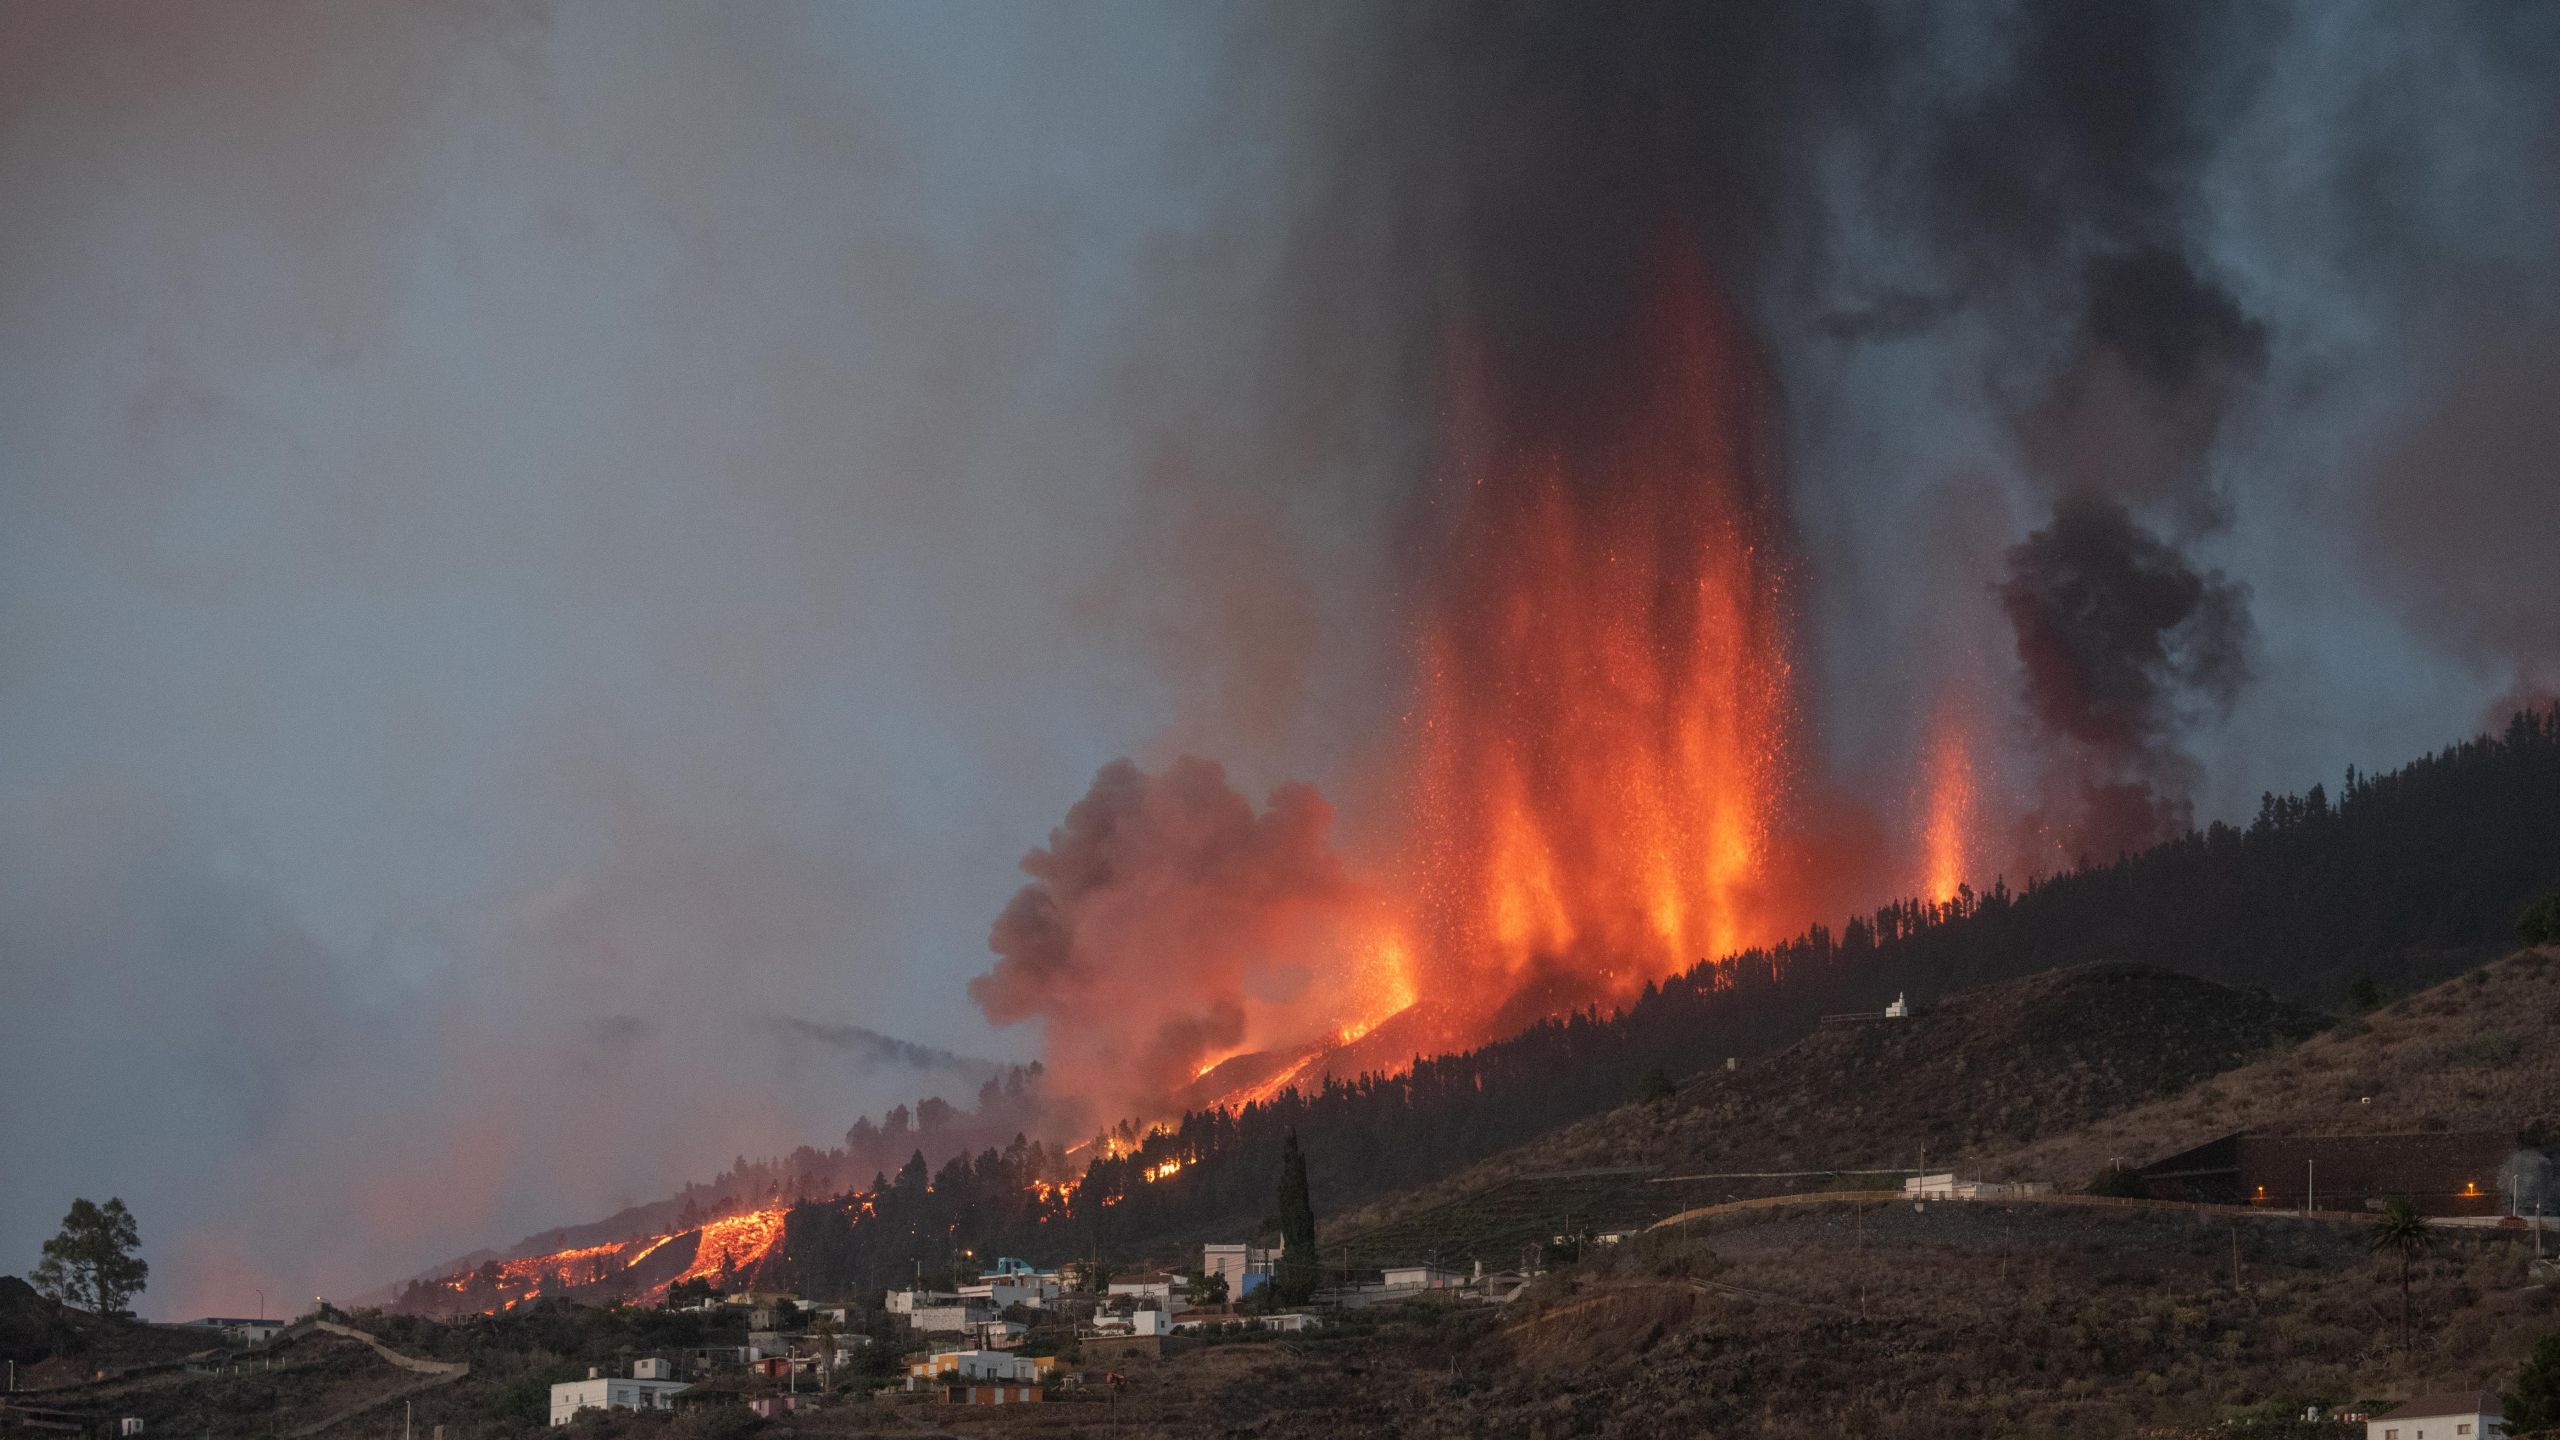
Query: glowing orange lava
[
  {"x": 733, "y": 1243},
  {"x": 1606, "y": 704},
  {"x": 1948, "y": 819}
]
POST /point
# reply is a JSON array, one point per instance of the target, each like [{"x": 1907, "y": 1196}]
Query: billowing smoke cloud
[
  {"x": 1169, "y": 923},
  {"x": 2125, "y": 646}
]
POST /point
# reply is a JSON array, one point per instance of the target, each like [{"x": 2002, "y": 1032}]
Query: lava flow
[{"x": 731, "y": 1245}]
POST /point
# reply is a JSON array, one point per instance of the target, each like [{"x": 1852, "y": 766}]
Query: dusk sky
[{"x": 539, "y": 542}]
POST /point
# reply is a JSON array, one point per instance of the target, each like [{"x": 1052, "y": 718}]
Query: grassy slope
[
  {"x": 2479, "y": 1052},
  {"x": 1956, "y": 1319},
  {"x": 1995, "y": 1066}
]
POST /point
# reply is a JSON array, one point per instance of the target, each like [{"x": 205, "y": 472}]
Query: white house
[
  {"x": 239, "y": 1331},
  {"x": 906, "y": 1302},
  {"x": 1423, "y": 1277},
  {"x": 1945, "y": 1186},
  {"x": 647, "y": 1389},
  {"x": 1004, "y": 1290},
  {"x": 2453, "y": 1415}
]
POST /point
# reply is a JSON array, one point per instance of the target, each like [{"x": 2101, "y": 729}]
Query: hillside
[
  {"x": 2402, "y": 879},
  {"x": 2481, "y": 1052},
  {"x": 2000, "y": 1064},
  {"x": 1884, "y": 1320}
]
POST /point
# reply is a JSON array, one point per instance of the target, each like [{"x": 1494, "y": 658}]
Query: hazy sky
[
  {"x": 532, "y": 542},
  {"x": 535, "y": 540}
]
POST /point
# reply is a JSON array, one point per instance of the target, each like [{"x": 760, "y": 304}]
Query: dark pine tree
[{"x": 1296, "y": 1281}]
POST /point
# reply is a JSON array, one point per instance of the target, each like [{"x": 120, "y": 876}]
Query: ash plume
[
  {"x": 2124, "y": 645},
  {"x": 1166, "y": 917},
  {"x": 2163, "y": 358}
]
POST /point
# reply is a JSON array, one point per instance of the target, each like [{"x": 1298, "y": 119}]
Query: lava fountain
[
  {"x": 1605, "y": 707},
  {"x": 1947, "y": 808}
]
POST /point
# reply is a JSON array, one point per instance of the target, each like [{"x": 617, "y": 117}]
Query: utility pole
[
  {"x": 2235, "y": 1257},
  {"x": 2310, "y": 1191}
]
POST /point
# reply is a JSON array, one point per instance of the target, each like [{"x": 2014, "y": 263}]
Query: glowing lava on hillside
[{"x": 641, "y": 1268}]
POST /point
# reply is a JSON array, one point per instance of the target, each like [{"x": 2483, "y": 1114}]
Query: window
[{"x": 2462, "y": 1429}]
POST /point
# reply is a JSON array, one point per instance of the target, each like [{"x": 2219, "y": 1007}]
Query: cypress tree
[{"x": 1297, "y": 1278}]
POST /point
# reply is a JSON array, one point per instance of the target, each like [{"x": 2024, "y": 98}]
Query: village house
[
  {"x": 980, "y": 1365},
  {"x": 704, "y": 1359},
  {"x": 652, "y": 1386},
  {"x": 239, "y": 1331},
  {"x": 1423, "y": 1277},
  {"x": 951, "y": 1319},
  {"x": 1945, "y": 1186},
  {"x": 2453, "y": 1415},
  {"x": 1154, "y": 1286},
  {"x": 1247, "y": 1268},
  {"x": 1009, "y": 1290}
]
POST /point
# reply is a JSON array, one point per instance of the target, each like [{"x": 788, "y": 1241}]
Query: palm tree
[
  {"x": 825, "y": 1330},
  {"x": 2402, "y": 1231}
]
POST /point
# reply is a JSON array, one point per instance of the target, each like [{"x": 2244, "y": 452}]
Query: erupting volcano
[
  {"x": 1605, "y": 709},
  {"x": 1600, "y": 758}
]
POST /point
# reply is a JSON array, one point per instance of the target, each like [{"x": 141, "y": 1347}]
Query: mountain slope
[
  {"x": 2001, "y": 1064},
  {"x": 2479, "y": 1052}
]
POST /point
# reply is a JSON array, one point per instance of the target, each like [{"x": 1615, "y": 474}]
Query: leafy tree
[
  {"x": 2402, "y": 1231},
  {"x": 2363, "y": 995},
  {"x": 2540, "y": 924},
  {"x": 1298, "y": 1272},
  {"x": 1210, "y": 1289},
  {"x": 2535, "y": 1402},
  {"x": 1657, "y": 1086},
  {"x": 91, "y": 1264}
]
